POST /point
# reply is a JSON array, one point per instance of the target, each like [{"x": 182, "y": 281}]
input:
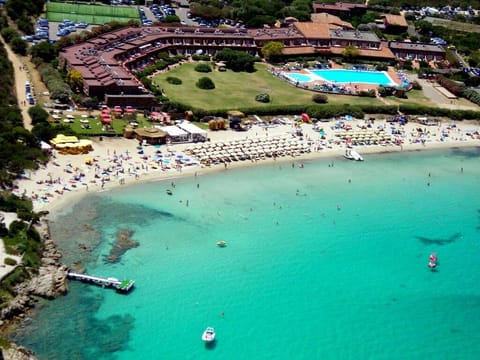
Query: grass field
[
  {"x": 92, "y": 14},
  {"x": 237, "y": 90},
  {"x": 453, "y": 25}
]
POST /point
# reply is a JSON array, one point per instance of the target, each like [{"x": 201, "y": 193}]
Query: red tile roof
[
  {"x": 396, "y": 20},
  {"x": 313, "y": 30}
]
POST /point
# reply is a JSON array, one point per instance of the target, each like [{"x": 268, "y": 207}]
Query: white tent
[
  {"x": 195, "y": 133},
  {"x": 45, "y": 146},
  {"x": 175, "y": 133}
]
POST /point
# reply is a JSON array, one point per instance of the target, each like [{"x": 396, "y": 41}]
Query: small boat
[
  {"x": 221, "y": 243},
  {"x": 351, "y": 154},
  {"x": 433, "y": 261},
  {"x": 208, "y": 335}
]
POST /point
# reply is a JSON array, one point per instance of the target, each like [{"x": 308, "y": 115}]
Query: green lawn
[
  {"x": 96, "y": 125},
  {"x": 237, "y": 90},
  {"x": 414, "y": 97}
]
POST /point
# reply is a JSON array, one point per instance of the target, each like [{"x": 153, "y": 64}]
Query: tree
[
  {"x": 19, "y": 46},
  {"x": 350, "y": 53},
  {"x": 43, "y": 50},
  {"x": 74, "y": 79},
  {"x": 424, "y": 27},
  {"x": 9, "y": 34},
  {"x": 172, "y": 19},
  {"x": 236, "y": 60},
  {"x": 272, "y": 49},
  {"x": 38, "y": 114},
  {"x": 61, "y": 93}
]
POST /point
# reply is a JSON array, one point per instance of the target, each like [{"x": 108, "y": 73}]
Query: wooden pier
[{"x": 123, "y": 286}]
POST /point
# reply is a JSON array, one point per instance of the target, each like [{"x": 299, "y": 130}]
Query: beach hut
[
  {"x": 235, "y": 118},
  {"x": 151, "y": 135},
  {"x": 128, "y": 132}
]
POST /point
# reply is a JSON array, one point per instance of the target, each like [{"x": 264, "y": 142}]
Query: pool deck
[{"x": 355, "y": 86}]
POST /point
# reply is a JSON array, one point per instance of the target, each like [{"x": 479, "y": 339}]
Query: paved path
[{"x": 441, "y": 101}]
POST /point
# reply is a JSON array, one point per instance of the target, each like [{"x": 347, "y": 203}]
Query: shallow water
[{"x": 327, "y": 261}]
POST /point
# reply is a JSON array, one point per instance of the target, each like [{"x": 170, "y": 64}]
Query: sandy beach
[{"x": 118, "y": 162}]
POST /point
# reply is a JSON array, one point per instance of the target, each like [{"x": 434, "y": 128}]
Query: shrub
[
  {"x": 201, "y": 57},
  {"x": 265, "y": 98},
  {"x": 174, "y": 80},
  {"x": 381, "y": 67},
  {"x": 204, "y": 68},
  {"x": 416, "y": 85},
  {"x": 367, "y": 93},
  {"x": 472, "y": 95},
  {"x": 320, "y": 98},
  {"x": 401, "y": 93},
  {"x": 205, "y": 83},
  {"x": 10, "y": 261}
]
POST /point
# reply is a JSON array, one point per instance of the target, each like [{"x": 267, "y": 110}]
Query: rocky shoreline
[{"x": 49, "y": 283}]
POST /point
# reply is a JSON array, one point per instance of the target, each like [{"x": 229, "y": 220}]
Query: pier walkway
[{"x": 123, "y": 286}]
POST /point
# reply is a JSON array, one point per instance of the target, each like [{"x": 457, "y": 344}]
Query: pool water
[
  {"x": 300, "y": 77},
  {"x": 344, "y": 77}
]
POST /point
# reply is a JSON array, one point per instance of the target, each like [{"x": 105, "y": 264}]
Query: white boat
[
  {"x": 351, "y": 154},
  {"x": 208, "y": 335}
]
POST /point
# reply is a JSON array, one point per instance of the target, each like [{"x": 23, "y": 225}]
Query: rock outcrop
[
  {"x": 15, "y": 352},
  {"x": 50, "y": 282}
]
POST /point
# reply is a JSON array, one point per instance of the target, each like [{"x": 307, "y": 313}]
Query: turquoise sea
[{"x": 328, "y": 261}]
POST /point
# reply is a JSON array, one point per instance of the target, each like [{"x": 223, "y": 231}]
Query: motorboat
[
  {"x": 432, "y": 264},
  {"x": 208, "y": 335},
  {"x": 221, "y": 243},
  {"x": 351, "y": 154}
]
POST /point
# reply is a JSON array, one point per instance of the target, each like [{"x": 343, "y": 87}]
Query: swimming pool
[{"x": 344, "y": 77}]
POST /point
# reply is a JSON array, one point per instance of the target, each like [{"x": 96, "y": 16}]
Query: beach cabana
[
  {"x": 151, "y": 135},
  {"x": 71, "y": 144}
]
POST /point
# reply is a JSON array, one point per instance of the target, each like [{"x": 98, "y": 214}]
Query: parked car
[{"x": 63, "y": 32}]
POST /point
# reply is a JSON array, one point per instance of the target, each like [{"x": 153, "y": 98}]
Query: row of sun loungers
[{"x": 249, "y": 149}]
